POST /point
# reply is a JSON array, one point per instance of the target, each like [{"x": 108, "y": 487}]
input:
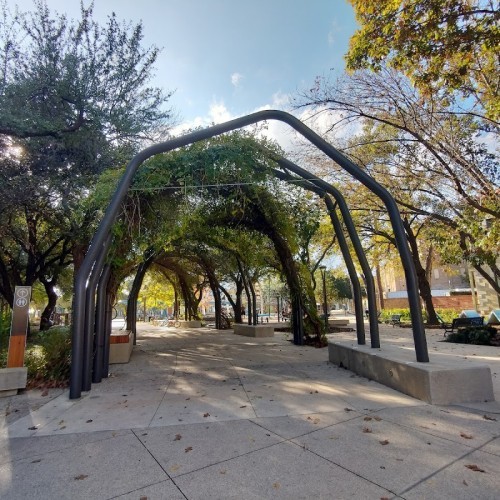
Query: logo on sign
[
  {"x": 22, "y": 292},
  {"x": 21, "y": 302}
]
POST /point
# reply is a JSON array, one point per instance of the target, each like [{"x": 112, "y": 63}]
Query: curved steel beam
[
  {"x": 125, "y": 182},
  {"x": 353, "y": 235},
  {"x": 344, "y": 248}
]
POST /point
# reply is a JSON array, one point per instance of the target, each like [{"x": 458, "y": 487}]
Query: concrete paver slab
[
  {"x": 180, "y": 449},
  {"x": 465, "y": 427},
  {"x": 474, "y": 476},
  {"x": 100, "y": 469},
  {"x": 386, "y": 454},
  {"x": 163, "y": 490},
  {"x": 281, "y": 471}
]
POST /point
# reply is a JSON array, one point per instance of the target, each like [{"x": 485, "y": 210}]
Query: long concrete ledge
[
  {"x": 254, "y": 330},
  {"x": 12, "y": 379},
  {"x": 442, "y": 381}
]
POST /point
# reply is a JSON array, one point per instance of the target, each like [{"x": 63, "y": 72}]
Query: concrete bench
[
  {"x": 256, "y": 331},
  {"x": 120, "y": 346}
]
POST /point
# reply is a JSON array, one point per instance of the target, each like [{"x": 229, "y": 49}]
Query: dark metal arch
[
  {"x": 88, "y": 266},
  {"x": 353, "y": 235}
]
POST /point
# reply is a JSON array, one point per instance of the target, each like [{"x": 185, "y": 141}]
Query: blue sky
[{"x": 226, "y": 58}]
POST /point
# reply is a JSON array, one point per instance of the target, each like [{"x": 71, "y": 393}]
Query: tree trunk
[
  {"x": 379, "y": 286},
  {"x": 49, "y": 285},
  {"x": 423, "y": 283}
]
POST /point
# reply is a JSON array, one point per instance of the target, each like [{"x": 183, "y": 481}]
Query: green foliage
[
  {"x": 446, "y": 315},
  {"x": 472, "y": 335},
  {"x": 442, "y": 45},
  {"x": 48, "y": 359}
]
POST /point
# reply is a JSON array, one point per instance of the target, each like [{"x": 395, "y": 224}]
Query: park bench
[
  {"x": 395, "y": 320},
  {"x": 462, "y": 323}
]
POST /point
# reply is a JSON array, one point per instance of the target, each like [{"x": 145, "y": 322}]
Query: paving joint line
[
  {"x": 446, "y": 466},
  {"x": 159, "y": 465}
]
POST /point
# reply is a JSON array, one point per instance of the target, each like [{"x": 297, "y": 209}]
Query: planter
[{"x": 11, "y": 380}]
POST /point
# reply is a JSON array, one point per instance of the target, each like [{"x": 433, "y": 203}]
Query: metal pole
[
  {"x": 325, "y": 307},
  {"x": 100, "y": 336}
]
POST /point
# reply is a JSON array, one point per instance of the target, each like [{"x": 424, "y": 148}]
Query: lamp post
[{"x": 325, "y": 311}]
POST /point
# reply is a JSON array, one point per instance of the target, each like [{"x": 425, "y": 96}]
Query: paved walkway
[{"x": 204, "y": 414}]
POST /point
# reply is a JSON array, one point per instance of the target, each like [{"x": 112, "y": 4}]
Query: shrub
[
  {"x": 48, "y": 358},
  {"x": 477, "y": 335},
  {"x": 446, "y": 315}
]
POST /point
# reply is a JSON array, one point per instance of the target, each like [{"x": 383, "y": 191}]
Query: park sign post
[{"x": 19, "y": 326}]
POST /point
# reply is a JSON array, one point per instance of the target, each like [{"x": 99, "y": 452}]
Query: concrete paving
[{"x": 203, "y": 414}]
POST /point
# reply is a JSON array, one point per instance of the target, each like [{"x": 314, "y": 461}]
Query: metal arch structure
[
  {"x": 86, "y": 278},
  {"x": 321, "y": 187}
]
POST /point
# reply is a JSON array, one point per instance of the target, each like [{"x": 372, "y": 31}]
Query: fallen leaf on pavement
[
  {"x": 206, "y": 415},
  {"x": 81, "y": 476},
  {"x": 384, "y": 442},
  {"x": 177, "y": 437},
  {"x": 366, "y": 430},
  {"x": 45, "y": 393},
  {"x": 466, "y": 436},
  {"x": 367, "y": 419},
  {"x": 189, "y": 448},
  {"x": 474, "y": 467},
  {"x": 276, "y": 486},
  {"x": 486, "y": 417}
]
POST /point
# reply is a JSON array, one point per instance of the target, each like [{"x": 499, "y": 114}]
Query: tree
[
  {"x": 442, "y": 45},
  {"x": 430, "y": 155},
  {"x": 74, "y": 101}
]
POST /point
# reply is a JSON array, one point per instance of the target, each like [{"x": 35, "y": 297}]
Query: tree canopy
[{"x": 442, "y": 45}]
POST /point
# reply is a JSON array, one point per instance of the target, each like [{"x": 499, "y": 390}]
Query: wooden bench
[{"x": 462, "y": 323}]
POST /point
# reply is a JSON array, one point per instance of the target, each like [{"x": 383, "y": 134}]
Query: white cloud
[
  {"x": 333, "y": 32},
  {"x": 236, "y": 79}
]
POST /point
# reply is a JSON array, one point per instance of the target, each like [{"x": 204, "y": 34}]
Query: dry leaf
[
  {"x": 143, "y": 498},
  {"x": 189, "y": 448},
  {"x": 174, "y": 468},
  {"x": 45, "y": 393},
  {"x": 466, "y": 436},
  {"x": 36, "y": 461},
  {"x": 367, "y": 419},
  {"x": 222, "y": 471},
  {"x": 366, "y": 430},
  {"x": 486, "y": 417},
  {"x": 378, "y": 419},
  {"x": 88, "y": 421},
  {"x": 348, "y": 409},
  {"x": 276, "y": 486},
  {"x": 465, "y": 483},
  {"x": 474, "y": 467},
  {"x": 34, "y": 428},
  {"x": 244, "y": 406},
  {"x": 81, "y": 476},
  {"x": 384, "y": 442},
  {"x": 206, "y": 415},
  {"x": 177, "y": 437}
]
